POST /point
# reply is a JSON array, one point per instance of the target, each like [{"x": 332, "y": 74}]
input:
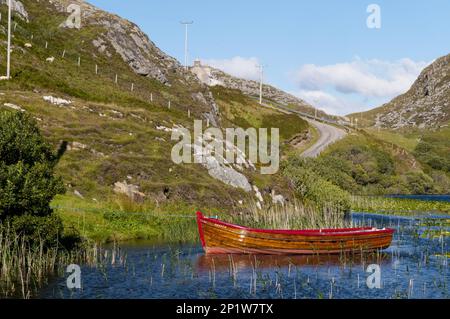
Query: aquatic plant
[
  {"x": 294, "y": 215},
  {"x": 397, "y": 206}
]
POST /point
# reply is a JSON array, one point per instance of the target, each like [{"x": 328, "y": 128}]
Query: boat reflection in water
[{"x": 242, "y": 262}]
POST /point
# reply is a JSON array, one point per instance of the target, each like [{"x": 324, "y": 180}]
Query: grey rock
[
  {"x": 17, "y": 7},
  {"x": 78, "y": 194},
  {"x": 425, "y": 105},
  {"x": 130, "y": 190}
]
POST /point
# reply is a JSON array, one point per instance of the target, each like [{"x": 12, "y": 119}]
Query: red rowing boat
[{"x": 219, "y": 237}]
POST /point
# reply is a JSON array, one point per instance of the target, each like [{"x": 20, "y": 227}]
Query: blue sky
[{"x": 320, "y": 50}]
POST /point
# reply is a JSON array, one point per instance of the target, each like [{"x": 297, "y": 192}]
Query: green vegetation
[
  {"x": 26, "y": 267},
  {"x": 294, "y": 215},
  {"x": 397, "y": 206},
  {"x": 311, "y": 187},
  {"x": 403, "y": 140},
  {"x": 120, "y": 219},
  {"x": 361, "y": 164},
  {"x": 433, "y": 150},
  {"x": 239, "y": 110},
  {"x": 117, "y": 127},
  {"x": 27, "y": 183},
  {"x": 32, "y": 239}
]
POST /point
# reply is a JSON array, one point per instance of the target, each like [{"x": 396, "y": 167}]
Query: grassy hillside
[
  {"x": 367, "y": 165},
  {"x": 242, "y": 111},
  {"x": 424, "y": 106},
  {"x": 115, "y": 130},
  {"x": 431, "y": 148}
]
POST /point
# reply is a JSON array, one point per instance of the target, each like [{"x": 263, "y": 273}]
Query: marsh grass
[
  {"x": 294, "y": 215},
  {"x": 26, "y": 267},
  {"x": 399, "y": 206}
]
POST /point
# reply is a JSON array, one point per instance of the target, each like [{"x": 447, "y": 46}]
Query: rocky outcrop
[
  {"x": 126, "y": 39},
  {"x": 425, "y": 105},
  {"x": 130, "y": 190},
  {"x": 56, "y": 101},
  {"x": 17, "y": 7},
  {"x": 14, "y": 107}
]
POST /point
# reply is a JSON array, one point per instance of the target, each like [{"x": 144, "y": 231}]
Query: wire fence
[{"x": 98, "y": 66}]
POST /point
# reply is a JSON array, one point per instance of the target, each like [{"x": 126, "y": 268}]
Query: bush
[
  {"x": 35, "y": 229},
  {"x": 310, "y": 186},
  {"x": 27, "y": 181},
  {"x": 419, "y": 183}
]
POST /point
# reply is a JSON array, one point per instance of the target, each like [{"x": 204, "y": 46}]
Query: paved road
[{"x": 329, "y": 134}]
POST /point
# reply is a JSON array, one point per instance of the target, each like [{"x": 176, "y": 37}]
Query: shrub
[
  {"x": 419, "y": 183},
  {"x": 27, "y": 181},
  {"x": 35, "y": 229},
  {"x": 310, "y": 186}
]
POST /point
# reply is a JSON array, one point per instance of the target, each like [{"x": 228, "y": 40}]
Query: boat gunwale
[{"x": 306, "y": 232}]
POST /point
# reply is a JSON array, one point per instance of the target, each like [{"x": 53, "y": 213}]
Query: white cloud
[
  {"x": 240, "y": 67},
  {"x": 329, "y": 103},
  {"x": 368, "y": 78}
]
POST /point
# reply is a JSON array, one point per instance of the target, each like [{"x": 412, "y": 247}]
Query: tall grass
[
  {"x": 293, "y": 215},
  {"x": 398, "y": 206},
  {"x": 26, "y": 267}
]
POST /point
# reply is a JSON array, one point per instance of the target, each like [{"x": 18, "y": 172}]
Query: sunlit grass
[{"x": 397, "y": 206}]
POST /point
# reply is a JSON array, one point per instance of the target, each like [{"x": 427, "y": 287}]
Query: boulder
[{"x": 132, "y": 191}]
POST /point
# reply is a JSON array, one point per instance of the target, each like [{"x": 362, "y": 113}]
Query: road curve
[{"x": 329, "y": 134}]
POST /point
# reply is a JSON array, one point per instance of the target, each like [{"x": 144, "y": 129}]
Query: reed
[
  {"x": 397, "y": 206},
  {"x": 293, "y": 215},
  {"x": 26, "y": 267}
]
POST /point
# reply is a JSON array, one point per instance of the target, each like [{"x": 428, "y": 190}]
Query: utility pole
[
  {"x": 8, "y": 59},
  {"x": 261, "y": 78},
  {"x": 186, "y": 24}
]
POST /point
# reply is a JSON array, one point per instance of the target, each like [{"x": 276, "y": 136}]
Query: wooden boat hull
[{"x": 218, "y": 237}]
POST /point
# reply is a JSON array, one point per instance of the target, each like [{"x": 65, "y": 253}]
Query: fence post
[
  {"x": 116, "y": 79},
  {"x": 151, "y": 97},
  {"x": 132, "y": 87},
  {"x": 64, "y": 53},
  {"x": 46, "y": 44},
  {"x": 189, "y": 113},
  {"x": 96, "y": 69},
  {"x": 169, "y": 104}
]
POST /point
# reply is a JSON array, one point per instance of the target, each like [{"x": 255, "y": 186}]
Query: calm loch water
[{"x": 415, "y": 266}]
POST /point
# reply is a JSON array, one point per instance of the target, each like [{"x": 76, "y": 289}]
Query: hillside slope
[
  {"x": 116, "y": 98},
  {"x": 215, "y": 77},
  {"x": 425, "y": 105}
]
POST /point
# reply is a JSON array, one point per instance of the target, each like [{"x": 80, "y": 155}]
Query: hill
[
  {"x": 425, "y": 106},
  {"x": 215, "y": 77},
  {"x": 115, "y": 97}
]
